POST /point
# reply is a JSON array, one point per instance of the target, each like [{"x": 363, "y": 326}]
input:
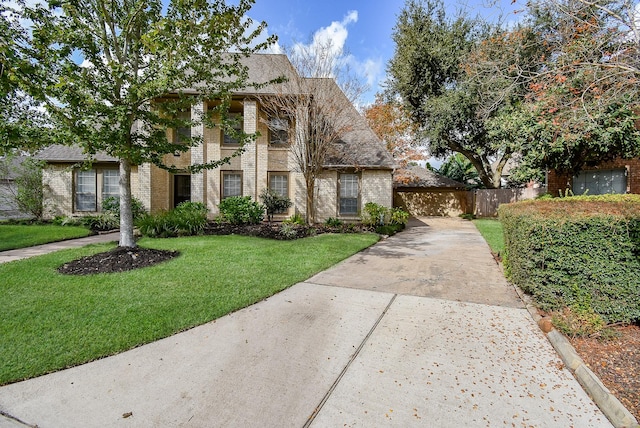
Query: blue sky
[{"x": 362, "y": 27}]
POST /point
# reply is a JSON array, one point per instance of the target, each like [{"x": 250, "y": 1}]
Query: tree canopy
[
  {"x": 391, "y": 122},
  {"x": 427, "y": 72},
  {"x": 20, "y": 118},
  {"x": 558, "y": 90},
  {"x": 115, "y": 75}
]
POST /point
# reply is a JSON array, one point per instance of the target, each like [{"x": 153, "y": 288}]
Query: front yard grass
[
  {"x": 51, "y": 321},
  {"x": 22, "y": 236},
  {"x": 491, "y": 231}
]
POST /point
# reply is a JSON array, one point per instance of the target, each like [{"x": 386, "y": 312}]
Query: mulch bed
[
  {"x": 119, "y": 259},
  {"x": 279, "y": 231},
  {"x": 616, "y": 362},
  {"x": 122, "y": 259}
]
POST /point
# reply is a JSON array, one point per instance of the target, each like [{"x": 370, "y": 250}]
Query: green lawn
[
  {"x": 21, "y": 236},
  {"x": 52, "y": 321},
  {"x": 491, "y": 231}
]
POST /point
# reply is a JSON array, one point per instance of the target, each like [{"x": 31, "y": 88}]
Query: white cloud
[
  {"x": 372, "y": 70},
  {"x": 335, "y": 34}
]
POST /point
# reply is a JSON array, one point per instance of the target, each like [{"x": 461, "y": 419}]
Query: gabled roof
[
  {"x": 416, "y": 176},
  {"x": 359, "y": 146},
  {"x": 64, "y": 154}
]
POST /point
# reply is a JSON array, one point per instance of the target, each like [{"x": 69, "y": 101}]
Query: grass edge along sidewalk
[
  {"x": 13, "y": 237},
  {"x": 52, "y": 321}
]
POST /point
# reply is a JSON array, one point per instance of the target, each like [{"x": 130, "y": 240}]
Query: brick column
[
  {"x": 248, "y": 161},
  {"x": 197, "y": 153}
]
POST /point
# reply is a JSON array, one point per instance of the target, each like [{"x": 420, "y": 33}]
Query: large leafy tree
[
  {"x": 428, "y": 73},
  {"x": 585, "y": 98},
  {"x": 458, "y": 167},
  {"x": 565, "y": 84},
  {"x": 391, "y": 122},
  {"x": 117, "y": 74},
  {"x": 20, "y": 119}
]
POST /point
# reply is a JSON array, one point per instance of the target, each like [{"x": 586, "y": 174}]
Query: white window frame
[
  {"x": 225, "y": 191},
  {"x": 110, "y": 189},
  {"x": 346, "y": 192},
  {"x": 93, "y": 182},
  {"x": 85, "y": 190}
]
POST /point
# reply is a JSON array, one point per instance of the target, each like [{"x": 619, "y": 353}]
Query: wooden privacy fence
[
  {"x": 487, "y": 201},
  {"x": 453, "y": 202}
]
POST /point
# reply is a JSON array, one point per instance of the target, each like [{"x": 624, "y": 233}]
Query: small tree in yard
[
  {"x": 117, "y": 74},
  {"x": 274, "y": 203},
  {"x": 27, "y": 195},
  {"x": 314, "y": 107}
]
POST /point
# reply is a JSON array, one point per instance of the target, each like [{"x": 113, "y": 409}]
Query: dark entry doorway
[{"x": 181, "y": 189}]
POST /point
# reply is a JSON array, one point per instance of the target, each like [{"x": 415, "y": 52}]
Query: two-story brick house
[{"x": 341, "y": 190}]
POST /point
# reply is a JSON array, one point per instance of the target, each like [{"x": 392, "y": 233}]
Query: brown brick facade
[{"x": 559, "y": 183}]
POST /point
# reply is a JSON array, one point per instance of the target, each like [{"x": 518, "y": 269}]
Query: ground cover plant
[
  {"x": 51, "y": 321},
  {"x": 13, "y": 236}
]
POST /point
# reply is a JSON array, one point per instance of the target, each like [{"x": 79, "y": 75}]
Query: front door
[{"x": 181, "y": 189}]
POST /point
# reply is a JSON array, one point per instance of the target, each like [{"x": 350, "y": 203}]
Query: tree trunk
[
  {"x": 311, "y": 204},
  {"x": 126, "y": 214}
]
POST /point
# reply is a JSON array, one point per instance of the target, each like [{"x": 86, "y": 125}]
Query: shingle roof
[
  {"x": 359, "y": 146},
  {"x": 59, "y": 153},
  {"x": 416, "y": 176}
]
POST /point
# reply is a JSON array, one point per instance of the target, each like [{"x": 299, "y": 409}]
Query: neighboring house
[
  {"x": 422, "y": 192},
  {"x": 342, "y": 189},
  {"x": 616, "y": 176},
  {"x": 8, "y": 189}
]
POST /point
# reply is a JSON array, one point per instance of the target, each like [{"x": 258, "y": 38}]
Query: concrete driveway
[{"x": 419, "y": 330}]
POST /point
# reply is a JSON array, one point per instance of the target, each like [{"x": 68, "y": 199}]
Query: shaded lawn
[
  {"x": 22, "y": 236},
  {"x": 51, "y": 321},
  {"x": 491, "y": 231}
]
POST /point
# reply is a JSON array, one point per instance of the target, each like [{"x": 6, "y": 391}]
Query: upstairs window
[
  {"x": 278, "y": 132},
  {"x": 229, "y": 139},
  {"x": 183, "y": 133}
]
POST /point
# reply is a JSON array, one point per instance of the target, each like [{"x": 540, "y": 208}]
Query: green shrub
[
  {"x": 187, "y": 219},
  {"x": 295, "y": 219},
  {"x": 100, "y": 222},
  {"x": 112, "y": 205},
  {"x": 333, "y": 222},
  {"x": 375, "y": 214},
  {"x": 61, "y": 220},
  {"x": 240, "y": 210},
  {"x": 399, "y": 216},
  {"x": 579, "y": 252},
  {"x": 389, "y": 229},
  {"x": 274, "y": 203}
]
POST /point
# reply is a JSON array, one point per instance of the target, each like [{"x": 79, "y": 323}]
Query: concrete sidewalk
[
  {"x": 38, "y": 250},
  {"x": 403, "y": 334}
]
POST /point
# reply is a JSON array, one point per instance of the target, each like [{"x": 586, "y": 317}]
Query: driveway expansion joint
[{"x": 351, "y": 360}]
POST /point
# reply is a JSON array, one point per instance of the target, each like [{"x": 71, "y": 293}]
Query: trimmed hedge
[{"x": 579, "y": 252}]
